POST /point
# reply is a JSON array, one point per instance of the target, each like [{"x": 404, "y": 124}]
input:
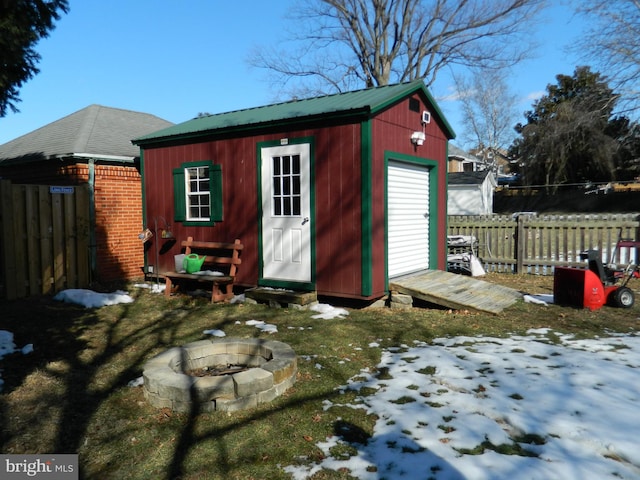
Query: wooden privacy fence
[
  {"x": 527, "y": 243},
  {"x": 44, "y": 243}
]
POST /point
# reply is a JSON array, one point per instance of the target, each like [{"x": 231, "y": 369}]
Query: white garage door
[{"x": 408, "y": 217}]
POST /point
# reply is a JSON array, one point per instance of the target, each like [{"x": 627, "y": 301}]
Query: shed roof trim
[{"x": 365, "y": 102}]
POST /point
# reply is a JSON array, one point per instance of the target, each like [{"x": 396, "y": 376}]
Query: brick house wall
[
  {"x": 118, "y": 210},
  {"x": 118, "y": 204}
]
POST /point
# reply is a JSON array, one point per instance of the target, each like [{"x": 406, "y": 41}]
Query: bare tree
[
  {"x": 337, "y": 45},
  {"x": 612, "y": 44},
  {"x": 489, "y": 114}
]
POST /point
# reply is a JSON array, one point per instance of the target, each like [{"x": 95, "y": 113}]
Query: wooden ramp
[{"x": 455, "y": 291}]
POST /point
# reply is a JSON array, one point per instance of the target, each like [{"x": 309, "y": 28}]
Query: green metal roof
[{"x": 361, "y": 103}]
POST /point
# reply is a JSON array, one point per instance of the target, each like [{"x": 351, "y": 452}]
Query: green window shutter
[
  {"x": 179, "y": 196},
  {"x": 215, "y": 173}
]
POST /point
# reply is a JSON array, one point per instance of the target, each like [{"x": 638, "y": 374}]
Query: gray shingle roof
[
  {"x": 363, "y": 103},
  {"x": 459, "y": 154},
  {"x": 467, "y": 178},
  {"x": 96, "y": 130}
]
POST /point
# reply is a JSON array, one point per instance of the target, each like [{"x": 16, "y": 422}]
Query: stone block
[
  {"x": 267, "y": 395},
  {"x": 402, "y": 299},
  {"x": 209, "y": 388},
  {"x": 154, "y": 377},
  {"x": 159, "y": 402},
  {"x": 237, "y": 404},
  {"x": 250, "y": 346},
  {"x": 166, "y": 358},
  {"x": 280, "y": 349},
  {"x": 399, "y": 306},
  {"x": 285, "y": 385},
  {"x": 252, "y": 381},
  {"x": 234, "y": 359},
  {"x": 212, "y": 361},
  {"x": 195, "y": 363},
  {"x": 251, "y": 360},
  {"x": 229, "y": 344},
  {"x": 207, "y": 407},
  {"x": 177, "y": 387},
  {"x": 380, "y": 303},
  {"x": 181, "y": 407},
  {"x": 281, "y": 369},
  {"x": 199, "y": 349}
]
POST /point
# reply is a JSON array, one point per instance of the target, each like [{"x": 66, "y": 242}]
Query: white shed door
[
  {"x": 286, "y": 212},
  {"x": 408, "y": 218}
]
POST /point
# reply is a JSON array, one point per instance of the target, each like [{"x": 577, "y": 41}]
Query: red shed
[{"x": 334, "y": 194}]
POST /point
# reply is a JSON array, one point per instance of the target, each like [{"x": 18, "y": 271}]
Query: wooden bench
[{"x": 222, "y": 258}]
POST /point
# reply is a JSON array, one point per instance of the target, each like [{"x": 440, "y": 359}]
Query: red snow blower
[{"x": 598, "y": 284}]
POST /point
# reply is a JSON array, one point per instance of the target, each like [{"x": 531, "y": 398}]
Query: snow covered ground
[
  {"x": 572, "y": 406},
  {"x": 445, "y": 409}
]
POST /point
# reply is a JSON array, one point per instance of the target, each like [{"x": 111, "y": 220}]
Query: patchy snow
[
  {"x": 7, "y": 347},
  {"x": 261, "y": 325},
  {"x": 328, "y": 312},
  {"x": 446, "y": 410},
  {"x": 571, "y": 406},
  {"x": 137, "y": 382},
  {"x": 91, "y": 299},
  {"x": 154, "y": 287},
  {"x": 542, "y": 299},
  {"x": 238, "y": 299},
  {"x": 215, "y": 332}
]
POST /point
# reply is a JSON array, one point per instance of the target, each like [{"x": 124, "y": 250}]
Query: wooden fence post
[
  {"x": 520, "y": 239},
  {"x": 8, "y": 263}
]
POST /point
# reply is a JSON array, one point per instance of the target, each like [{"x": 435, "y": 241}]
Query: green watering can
[{"x": 192, "y": 262}]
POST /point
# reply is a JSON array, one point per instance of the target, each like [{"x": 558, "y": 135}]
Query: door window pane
[{"x": 286, "y": 185}]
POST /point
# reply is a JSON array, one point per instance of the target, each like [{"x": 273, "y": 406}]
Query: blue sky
[{"x": 176, "y": 59}]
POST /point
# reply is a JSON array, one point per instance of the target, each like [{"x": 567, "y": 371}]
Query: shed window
[{"x": 198, "y": 193}]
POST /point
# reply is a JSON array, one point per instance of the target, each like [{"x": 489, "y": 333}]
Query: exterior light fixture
[{"x": 417, "y": 138}]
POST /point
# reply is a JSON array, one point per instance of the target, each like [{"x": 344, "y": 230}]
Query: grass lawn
[{"x": 71, "y": 395}]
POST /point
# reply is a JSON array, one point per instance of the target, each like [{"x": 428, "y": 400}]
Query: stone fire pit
[{"x": 226, "y": 374}]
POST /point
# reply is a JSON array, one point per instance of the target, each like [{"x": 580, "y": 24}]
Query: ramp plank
[{"x": 456, "y": 291}]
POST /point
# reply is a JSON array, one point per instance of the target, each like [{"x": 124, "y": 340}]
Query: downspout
[{"x": 93, "y": 254}]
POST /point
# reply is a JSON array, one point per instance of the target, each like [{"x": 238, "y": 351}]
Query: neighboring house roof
[
  {"x": 360, "y": 103},
  {"x": 456, "y": 153},
  {"x": 94, "y": 131},
  {"x": 470, "y": 178}
]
